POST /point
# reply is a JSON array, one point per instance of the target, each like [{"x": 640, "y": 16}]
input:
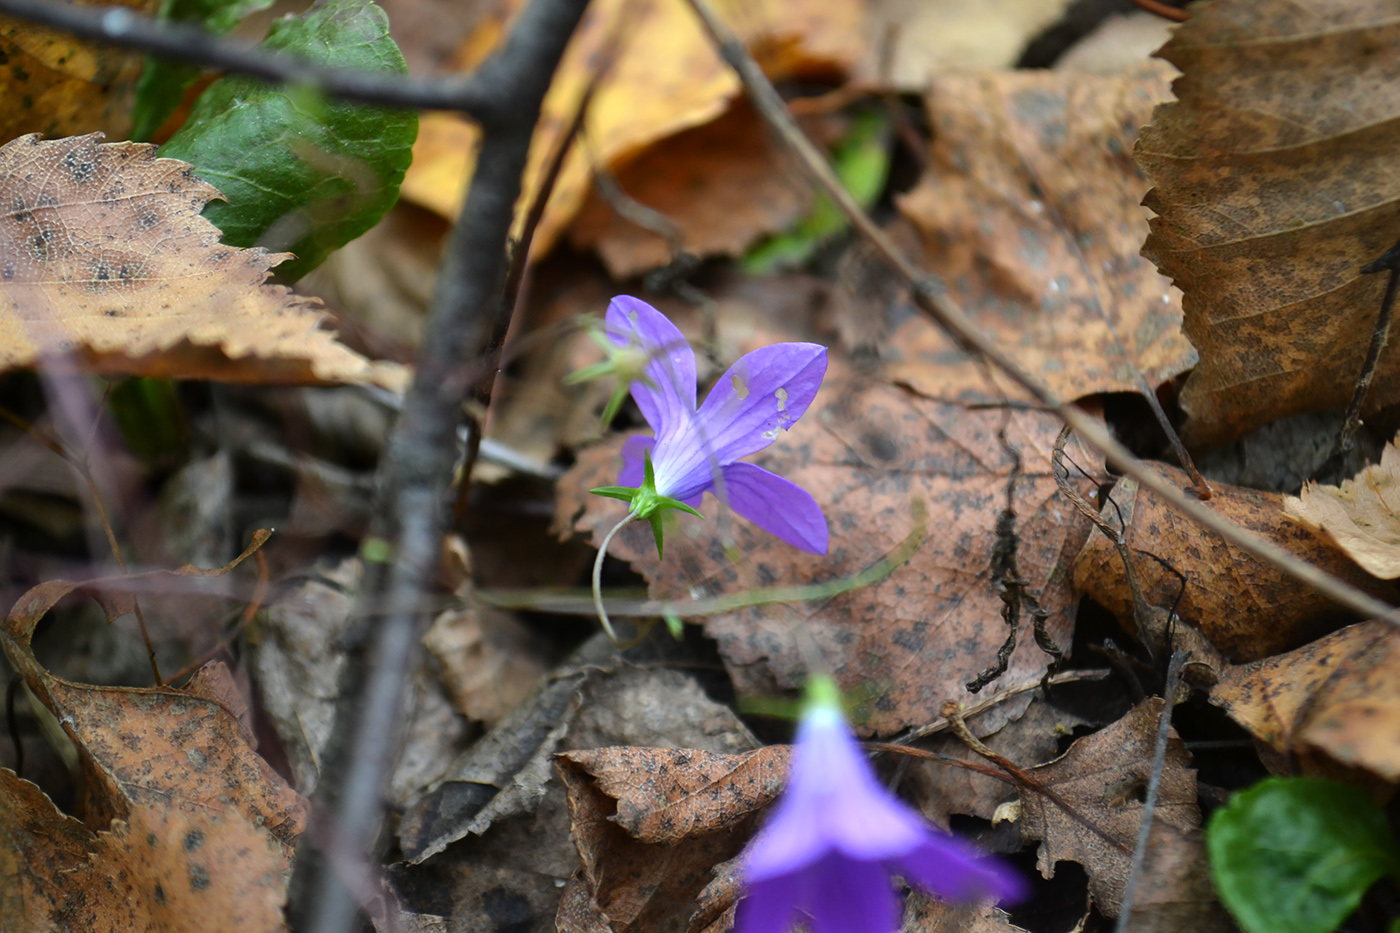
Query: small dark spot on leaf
[
  {"x": 199, "y": 878},
  {"x": 194, "y": 839}
]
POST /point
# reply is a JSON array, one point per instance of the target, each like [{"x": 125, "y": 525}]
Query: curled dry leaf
[
  {"x": 1103, "y": 778},
  {"x": 1029, "y": 210},
  {"x": 1337, "y": 698},
  {"x": 648, "y": 823},
  {"x": 1244, "y": 608},
  {"x": 665, "y": 795},
  {"x": 55, "y": 84},
  {"x": 1274, "y": 186},
  {"x": 665, "y": 77},
  {"x": 1362, "y": 516},
  {"x": 868, "y": 452},
  {"x": 185, "y": 826},
  {"x": 721, "y": 186},
  {"x": 104, "y": 255}
]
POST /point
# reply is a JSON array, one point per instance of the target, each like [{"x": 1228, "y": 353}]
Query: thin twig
[
  {"x": 1389, "y": 262},
  {"x": 944, "y": 724},
  {"x": 1163, "y": 10},
  {"x": 484, "y": 94},
  {"x": 953, "y": 712},
  {"x": 466, "y": 323},
  {"x": 1154, "y": 784},
  {"x": 930, "y": 296}
]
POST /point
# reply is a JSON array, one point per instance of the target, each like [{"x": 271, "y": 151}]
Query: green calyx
[
  {"x": 823, "y": 693},
  {"x": 646, "y": 502},
  {"x": 628, "y": 364}
]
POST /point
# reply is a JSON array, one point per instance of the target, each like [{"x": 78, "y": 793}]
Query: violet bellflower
[
  {"x": 697, "y": 450},
  {"x": 828, "y": 850}
]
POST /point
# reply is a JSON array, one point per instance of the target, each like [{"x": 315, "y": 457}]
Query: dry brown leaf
[
  {"x": 106, "y": 257},
  {"x": 942, "y": 790},
  {"x": 722, "y": 185},
  {"x": 924, "y": 914},
  {"x": 1030, "y": 213},
  {"x": 1245, "y": 608},
  {"x": 1336, "y": 698},
  {"x": 665, "y": 795},
  {"x": 666, "y": 77},
  {"x": 632, "y": 884},
  {"x": 51, "y": 83},
  {"x": 1103, "y": 777},
  {"x": 1274, "y": 186},
  {"x": 868, "y": 452},
  {"x": 488, "y": 661},
  {"x": 1362, "y": 516},
  {"x": 186, "y": 827}
]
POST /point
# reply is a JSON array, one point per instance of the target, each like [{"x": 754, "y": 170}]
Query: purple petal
[
  {"x": 852, "y": 896},
  {"x": 764, "y": 392},
  {"x": 956, "y": 871},
  {"x": 634, "y": 468},
  {"x": 769, "y": 906},
  {"x": 632, "y": 322},
  {"x": 776, "y": 505},
  {"x": 833, "y": 804}
]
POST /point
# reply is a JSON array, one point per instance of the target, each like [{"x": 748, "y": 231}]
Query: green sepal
[
  {"x": 625, "y": 493},
  {"x": 646, "y": 503},
  {"x": 675, "y": 626},
  {"x": 627, "y": 363}
]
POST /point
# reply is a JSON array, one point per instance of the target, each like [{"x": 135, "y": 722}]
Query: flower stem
[{"x": 598, "y": 577}]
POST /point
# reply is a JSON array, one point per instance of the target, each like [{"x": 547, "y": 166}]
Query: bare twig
[
  {"x": 955, "y": 715},
  {"x": 930, "y": 296},
  {"x": 466, "y": 323},
  {"x": 485, "y": 94},
  {"x": 1389, "y": 262},
  {"x": 1163, "y": 10},
  {"x": 1154, "y": 784}
]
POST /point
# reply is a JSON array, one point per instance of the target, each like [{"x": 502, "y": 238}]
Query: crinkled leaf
[
  {"x": 163, "y": 83},
  {"x": 302, "y": 173},
  {"x": 1295, "y": 855}
]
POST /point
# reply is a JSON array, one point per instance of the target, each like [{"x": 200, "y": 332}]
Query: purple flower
[
  {"x": 836, "y": 836},
  {"x": 697, "y": 451}
]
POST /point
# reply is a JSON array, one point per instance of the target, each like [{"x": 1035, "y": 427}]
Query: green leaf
[
  {"x": 302, "y": 173},
  {"x": 862, "y": 162},
  {"x": 1295, "y": 855},
  {"x": 163, "y": 83}
]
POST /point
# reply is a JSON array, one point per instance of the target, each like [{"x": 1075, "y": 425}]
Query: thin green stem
[{"x": 598, "y": 577}]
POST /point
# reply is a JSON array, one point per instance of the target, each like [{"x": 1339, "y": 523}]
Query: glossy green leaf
[
  {"x": 163, "y": 83},
  {"x": 302, "y": 173},
  {"x": 1295, "y": 855}
]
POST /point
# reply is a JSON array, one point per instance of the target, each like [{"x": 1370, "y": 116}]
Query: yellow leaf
[{"x": 665, "y": 78}]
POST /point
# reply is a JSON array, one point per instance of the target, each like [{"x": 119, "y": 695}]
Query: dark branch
[
  {"x": 467, "y": 322},
  {"x": 486, "y": 94}
]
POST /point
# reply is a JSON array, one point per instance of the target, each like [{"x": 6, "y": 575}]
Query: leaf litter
[{"x": 659, "y": 780}]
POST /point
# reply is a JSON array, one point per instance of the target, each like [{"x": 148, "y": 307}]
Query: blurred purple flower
[
  {"x": 762, "y": 394},
  {"x": 836, "y": 837}
]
